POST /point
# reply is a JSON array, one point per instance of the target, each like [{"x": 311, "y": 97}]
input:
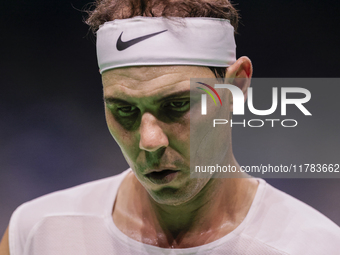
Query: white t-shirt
[{"x": 78, "y": 221}]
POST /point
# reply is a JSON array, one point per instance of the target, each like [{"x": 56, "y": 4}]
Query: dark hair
[{"x": 108, "y": 10}]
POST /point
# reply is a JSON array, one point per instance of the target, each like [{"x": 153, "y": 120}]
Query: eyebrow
[
  {"x": 114, "y": 100},
  {"x": 175, "y": 95}
]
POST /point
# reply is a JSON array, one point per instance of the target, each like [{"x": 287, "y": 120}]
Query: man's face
[{"x": 147, "y": 113}]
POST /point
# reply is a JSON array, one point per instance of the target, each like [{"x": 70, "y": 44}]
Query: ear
[{"x": 239, "y": 74}]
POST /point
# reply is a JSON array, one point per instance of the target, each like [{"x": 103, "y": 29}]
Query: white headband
[{"x": 145, "y": 41}]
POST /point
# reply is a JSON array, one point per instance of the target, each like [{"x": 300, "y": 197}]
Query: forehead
[{"x": 152, "y": 80}]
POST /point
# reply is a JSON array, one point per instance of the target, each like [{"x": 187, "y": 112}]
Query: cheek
[
  {"x": 179, "y": 136},
  {"x": 125, "y": 139}
]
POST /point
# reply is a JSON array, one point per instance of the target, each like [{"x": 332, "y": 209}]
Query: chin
[{"x": 175, "y": 197}]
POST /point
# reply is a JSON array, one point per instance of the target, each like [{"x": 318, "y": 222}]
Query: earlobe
[{"x": 239, "y": 74}]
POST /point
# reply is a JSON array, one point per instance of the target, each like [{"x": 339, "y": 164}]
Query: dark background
[{"x": 52, "y": 128}]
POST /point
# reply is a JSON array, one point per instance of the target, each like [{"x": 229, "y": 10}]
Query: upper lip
[{"x": 161, "y": 169}]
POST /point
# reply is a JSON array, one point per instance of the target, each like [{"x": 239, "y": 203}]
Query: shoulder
[
  {"x": 75, "y": 199},
  {"x": 93, "y": 198},
  {"x": 290, "y": 225}
]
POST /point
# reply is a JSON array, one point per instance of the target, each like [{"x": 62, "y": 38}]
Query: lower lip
[{"x": 162, "y": 177}]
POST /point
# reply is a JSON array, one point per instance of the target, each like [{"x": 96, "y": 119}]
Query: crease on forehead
[
  {"x": 144, "y": 73},
  {"x": 150, "y": 83},
  {"x": 161, "y": 81},
  {"x": 146, "y": 95}
]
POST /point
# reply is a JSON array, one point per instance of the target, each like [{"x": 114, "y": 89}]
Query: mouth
[{"x": 163, "y": 176}]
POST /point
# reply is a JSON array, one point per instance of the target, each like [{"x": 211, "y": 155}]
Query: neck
[
  {"x": 216, "y": 211},
  {"x": 201, "y": 212}
]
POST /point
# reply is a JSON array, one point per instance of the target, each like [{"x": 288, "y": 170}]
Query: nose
[{"x": 152, "y": 136}]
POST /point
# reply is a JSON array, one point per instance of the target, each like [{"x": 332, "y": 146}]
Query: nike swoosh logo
[{"x": 124, "y": 45}]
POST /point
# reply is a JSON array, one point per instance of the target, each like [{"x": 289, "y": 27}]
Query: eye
[
  {"x": 179, "y": 106},
  {"x": 127, "y": 111}
]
